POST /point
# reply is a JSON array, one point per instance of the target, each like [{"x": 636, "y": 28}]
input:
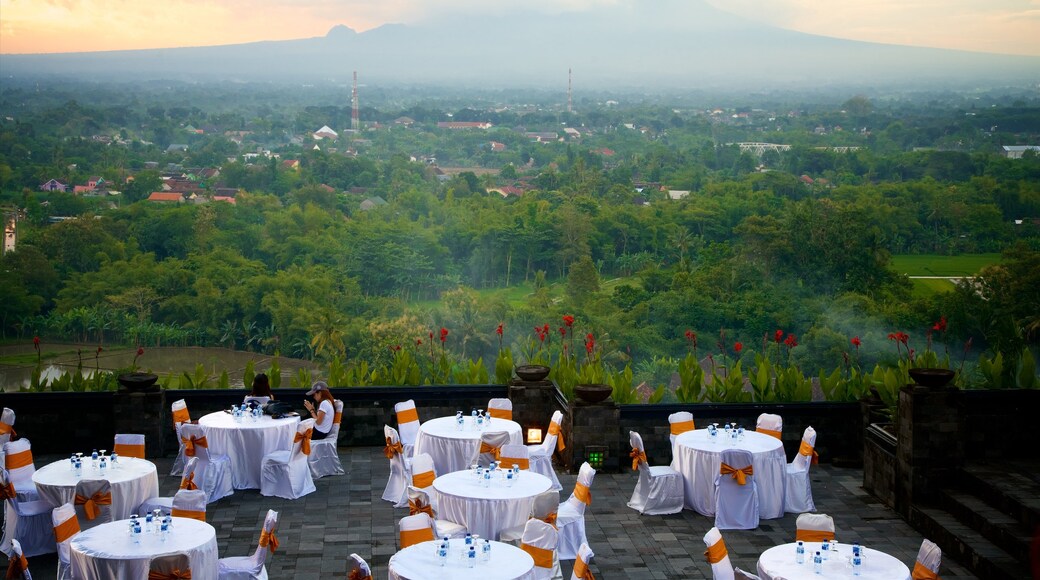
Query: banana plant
[
  {"x": 473, "y": 374},
  {"x": 691, "y": 381},
  {"x": 624, "y": 391}
]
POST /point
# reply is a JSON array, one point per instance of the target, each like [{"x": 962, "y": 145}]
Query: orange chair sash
[
  {"x": 268, "y": 540},
  {"x": 90, "y": 504},
  {"x": 191, "y": 442},
  {"x": 8, "y": 491},
  {"x": 181, "y": 416},
  {"x": 501, "y": 414},
  {"x": 550, "y": 519},
  {"x": 738, "y": 474},
  {"x": 554, "y": 429},
  {"x": 716, "y": 552},
  {"x": 682, "y": 427},
  {"x": 542, "y": 558},
  {"x": 414, "y": 507},
  {"x": 411, "y": 537},
  {"x": 522, "y": 462},
  {"x": 769, "y": 432},
  {"x": 813, "y": 535},
  {"x": 5, "y": 429},
  {"x": 581, "y": 570},
  {"x": 638, "y": 456},
  {"x": 129, "y": 450},
  {"x": 66, "y": 529},
  {"x": 392, "y": 448},
  {"x": 424, "y": 479},
  {"x": 17, "y": 567},
  {"x": 488, "y": 448},
  {"x": 807, "y": 450},
  {"x": 173, "y": 575},
  {"x": 581, "y": 491},
  {"x": 16, "y": 460},
  {"x": 407, "y": 416},
  {"x": 923, "y": 573},
  {"x": 188, "y": 482},
  {"x": 191, "y": 514},
  {"x": 305, "y": 437},
  {"x": 338, "y": 417},
  {"x": 356, "y": 574}
]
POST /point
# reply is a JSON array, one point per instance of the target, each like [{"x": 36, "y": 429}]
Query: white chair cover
[
  {"x": 546, "y": 508},
  {"x": 678, "y": 423},
  {"x": 261, "y": 401},
  {"x": 28, "y": 521},
  {"x": 718, "y": 557},
  {"x": 324, "y": 457},
  {"x": 129, "y": 445},
  {"x": 516, "y": 454},
  {"x": 189, "y": 503},
  {"x": 571, "y": 518},
  {"x": 770, "y": 424},
  {"x": 97, "y": 492},
  {"x": 251, "y": 567},
  {"x": 423, "y": 471},
  {"x": 212, "y": 472},
  {"x": 418, "y": 500},
  {"x": 6, "y": 425},
  {"x": 286, "y": 473},
  {"x": 659, "y": 490},
  {"x": 798, "y": 492},
  {"x": 16, "y": 552},
  {"x": 581, "y": 564},
  {"x": 63, "y": 519},
  {"x": 18, "y": 460},
  {"x": 415, "y": 529},
  {"x": 929, "y": 557},
  {"x": 407, "y": 425},
  {"x": 165, "y": 503},
  {"x": 179, "y": 411},
  {"x": 501, "y": 409},
  {"x": 736, "y": 505},
  {"x": 400, "y": 472},
  {"x": 358, "y": 568},
  {"x": 541, "y": 454},
  {"x": 814, "y": 527},
  {"x": 490, "y": 440},
  {"x": 539, "y": 538},
  {"x": 172, "y": 563}
]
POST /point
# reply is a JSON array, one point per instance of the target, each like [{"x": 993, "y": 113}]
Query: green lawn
[
  {"x": 923, "y": 288},
  {"x": 934, "y": 265}
]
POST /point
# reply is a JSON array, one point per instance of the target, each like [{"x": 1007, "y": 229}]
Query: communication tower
[{"x": 355, "y": 122}]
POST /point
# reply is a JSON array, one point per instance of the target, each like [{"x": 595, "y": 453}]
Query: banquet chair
[
  {"x": 718, "y": 557},
  {"x": 165, "y": 503},
  {"x": 6, "y": 426},
  {"x": 189, "y": 503},
  {"x": 814, "y": 528},
  {"x": 212, "y": 472},
  {"x": 129, "y": 445},
  {"x": 581, "y": 564},
  {"x": 500, "y": 409},
  {"x": 18, "y": 460},
  {"x": 929, "y": 558},
  {"x": 546, "y": 508},
  {"x": 324, "y": 457},
  {"x": 252, "y": 567},
  {"x": 259, "y": 401},
  {"x": 18, "y": 566},
  {"x": 736, "y": 495},
  {"x": 798, "y": 492},
  {"x": 169, "y": 567},
  {"x": 770, "y": 424},
  {"x": 571, "y": 518},
  {"x": 659, "y": 490},
  {"x": 287, "y": 473},
  {"x": 358, "y": 568},
  {"x": 415, "y": 529},
  {"x": 27, "y": 521},
  {"x": 540, "y": 540},
  {"x": 66, "y": 525},
  {"x": 678, "y": 423},
  {"x": 400, "y": 468},
  {"x": 423, "y": 471},
  {"x": 419, "y": 502},
  {"x": 490, "y": 449},
  {"x": 515, "y": 454},
  {"x": 179, "y": 411},
  {"x": 93, "y": 502},
  {"x": 407, "y": 425},
  {"x": 541, "y": 453}
]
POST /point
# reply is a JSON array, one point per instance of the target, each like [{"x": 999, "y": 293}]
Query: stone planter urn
[
  {"x": 532, "y": 373},
  {"x": 139, "y": 382},
  {"x": 593, "y": 393},
  {"x": 932, "y": 378}
]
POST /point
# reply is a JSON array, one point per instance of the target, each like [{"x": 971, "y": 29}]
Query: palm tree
[
  {"x": 229, "y": 332},
  {"x": 326, "y": 335}
]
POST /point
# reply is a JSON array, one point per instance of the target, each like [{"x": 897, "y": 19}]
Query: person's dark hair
[
  {"x": 324, "y": 395},
  {"x": 261, "y": 386}
]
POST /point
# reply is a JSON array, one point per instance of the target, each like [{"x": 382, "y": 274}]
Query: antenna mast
[
  {"x": 570, "y": 108},
  {"x": 355, "y": 122}
]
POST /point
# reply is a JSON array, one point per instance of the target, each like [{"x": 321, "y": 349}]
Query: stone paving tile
[{"x": 345, "y": 515}]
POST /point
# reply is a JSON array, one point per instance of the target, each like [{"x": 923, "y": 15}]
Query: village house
[{"x": 54, "y": 185}]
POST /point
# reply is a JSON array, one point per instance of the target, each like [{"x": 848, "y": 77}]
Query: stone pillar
[
  {"x": 594, "y": 425},
  {"x": 533, "y": 405},
  {"x": 929, "y": 443},
  {"x": 145, "y": 413}
]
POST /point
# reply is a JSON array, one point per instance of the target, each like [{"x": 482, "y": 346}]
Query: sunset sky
[{"x": 36, "y": 26}]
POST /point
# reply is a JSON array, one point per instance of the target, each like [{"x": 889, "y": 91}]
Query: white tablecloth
[
  {"x": 779, "y": 562},
  {"x": 454, "y": 450},
  {"x": 420, "y": 561},
  {"x": 246, "y": 442},
  {"x": 487, "y": 511},
  {"x": 698, "y": 459},
  {"x": 133, "y": 481},
  {"x": 106, "y": 552}
]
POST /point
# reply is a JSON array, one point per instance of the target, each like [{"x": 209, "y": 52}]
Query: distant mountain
[{"x": 666, "y": 43}]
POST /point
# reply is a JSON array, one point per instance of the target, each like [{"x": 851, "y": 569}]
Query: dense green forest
[{"x": 646, "y": 222}]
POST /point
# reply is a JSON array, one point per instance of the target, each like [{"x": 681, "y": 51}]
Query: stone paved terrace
[{"x": 346, "y": 515}]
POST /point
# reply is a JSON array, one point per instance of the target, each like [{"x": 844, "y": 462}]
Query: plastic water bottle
[
  {"x": 485, "y": 551},
  {"x": 799, "y": 553},
  {"x": 487, "y": 478},
  {"x": 72, "y": 461},
  {"x": 469, "y": 539},
  {"x": 740, "y": 433},
  {"x": 471, "y": 559},
  {"x": 442, "y": 553},
  {"x": 857, "y": 564},
  {"x": 149, "y": 520},
  {"x": 93, "y": 460},
  {"x": 136, "y": 535},
  {"x": 164, "y": 530},
  {"x": 103, "y": 466},
  {"x": 78, "y": 468},
  {"x": 734, "y": 434},
  {"x": 459, "y": 421},
  {"x": 818, "y": 563},
  {"x": 516, "y": 472},
  {"x": 856, "y": 550},
  {"x": 473, "y": 414},
  {"x": 825, "y": 549},
  {"x": 510, "y": 480},
  {"x": 115, "y": 459},
  {"x": 480, "y": 422}
]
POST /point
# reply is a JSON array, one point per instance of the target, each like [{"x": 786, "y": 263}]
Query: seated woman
[
  {"x": 261, "y": 391},
  {"x": 324, "y": 414}
]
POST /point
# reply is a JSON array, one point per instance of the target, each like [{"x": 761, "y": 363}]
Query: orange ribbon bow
[
  {"x": 305, "y": 437},
  {"x": 716, "y": 552},
  {"x": 5, "y": 429},
  {"x": 554, "y": 429},
  {"x": 414, "y": 507},
  {"x": 17, "y": 567},
  {"x": 90, "y": 504},
  {"x": 550, "y": 519},
  {"x": 488, "y": 448},
  {"x": 807, "y": 450},
  {"x": 738, "y": 474},
  {"x": 581, "y": 570},
  {"x": 189, "y": 482},
  {"x": 638, "y": 456},
  {"x": 356, "y": 574},
  {"x": 8, "y": 492},
  {"x": 922, "y": 573},
  {"x": 268, "y": 540},
  {"x": 392, "y": 448},
  {"x": 191, "y": 442},
  {"x": 173, "y": 575}
]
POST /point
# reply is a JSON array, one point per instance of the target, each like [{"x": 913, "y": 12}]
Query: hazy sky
[{"x": 32, "y": 26}]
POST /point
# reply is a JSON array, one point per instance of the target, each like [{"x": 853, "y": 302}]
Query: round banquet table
[
  {"x": 779, "y": 562},
  {"x": 454, "y": 450},
  {"x": 486, "y": 511},
  {"x": 698, "y": 459},
  {"x": 420, "y": 561},
  {"x": 246, "y": 442},
  {"x": 106, "y": 551},
  {"x": 133, "y": 481}
]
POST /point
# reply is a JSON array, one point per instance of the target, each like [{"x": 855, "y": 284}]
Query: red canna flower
[
  {"x": 418, "y": 341},
  {"x": 140, "y": 350},
  {"x": 941, "y": 325},
  {"x": 563, "y": 331},
  {"x": 778, "y": 336},
  {"x": 36, "y": 341},
  {"x": 444, "y": 334},
  {"x": 856, "y": 342},
  {"x": 395, "y": 347},
  {"x": 892, "y": 336},
  {"x": 431, "y": 335},
  {"x": 737, "y": 347},
  {"x": 590, "y": 343},
  {"x": 903, "y": 338},
  {"x": 99, "y": 349},
  {"x": 568, "y": 320},
  {"x": 499, "y": 329},
  {"x": 790, "y": 341}
]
